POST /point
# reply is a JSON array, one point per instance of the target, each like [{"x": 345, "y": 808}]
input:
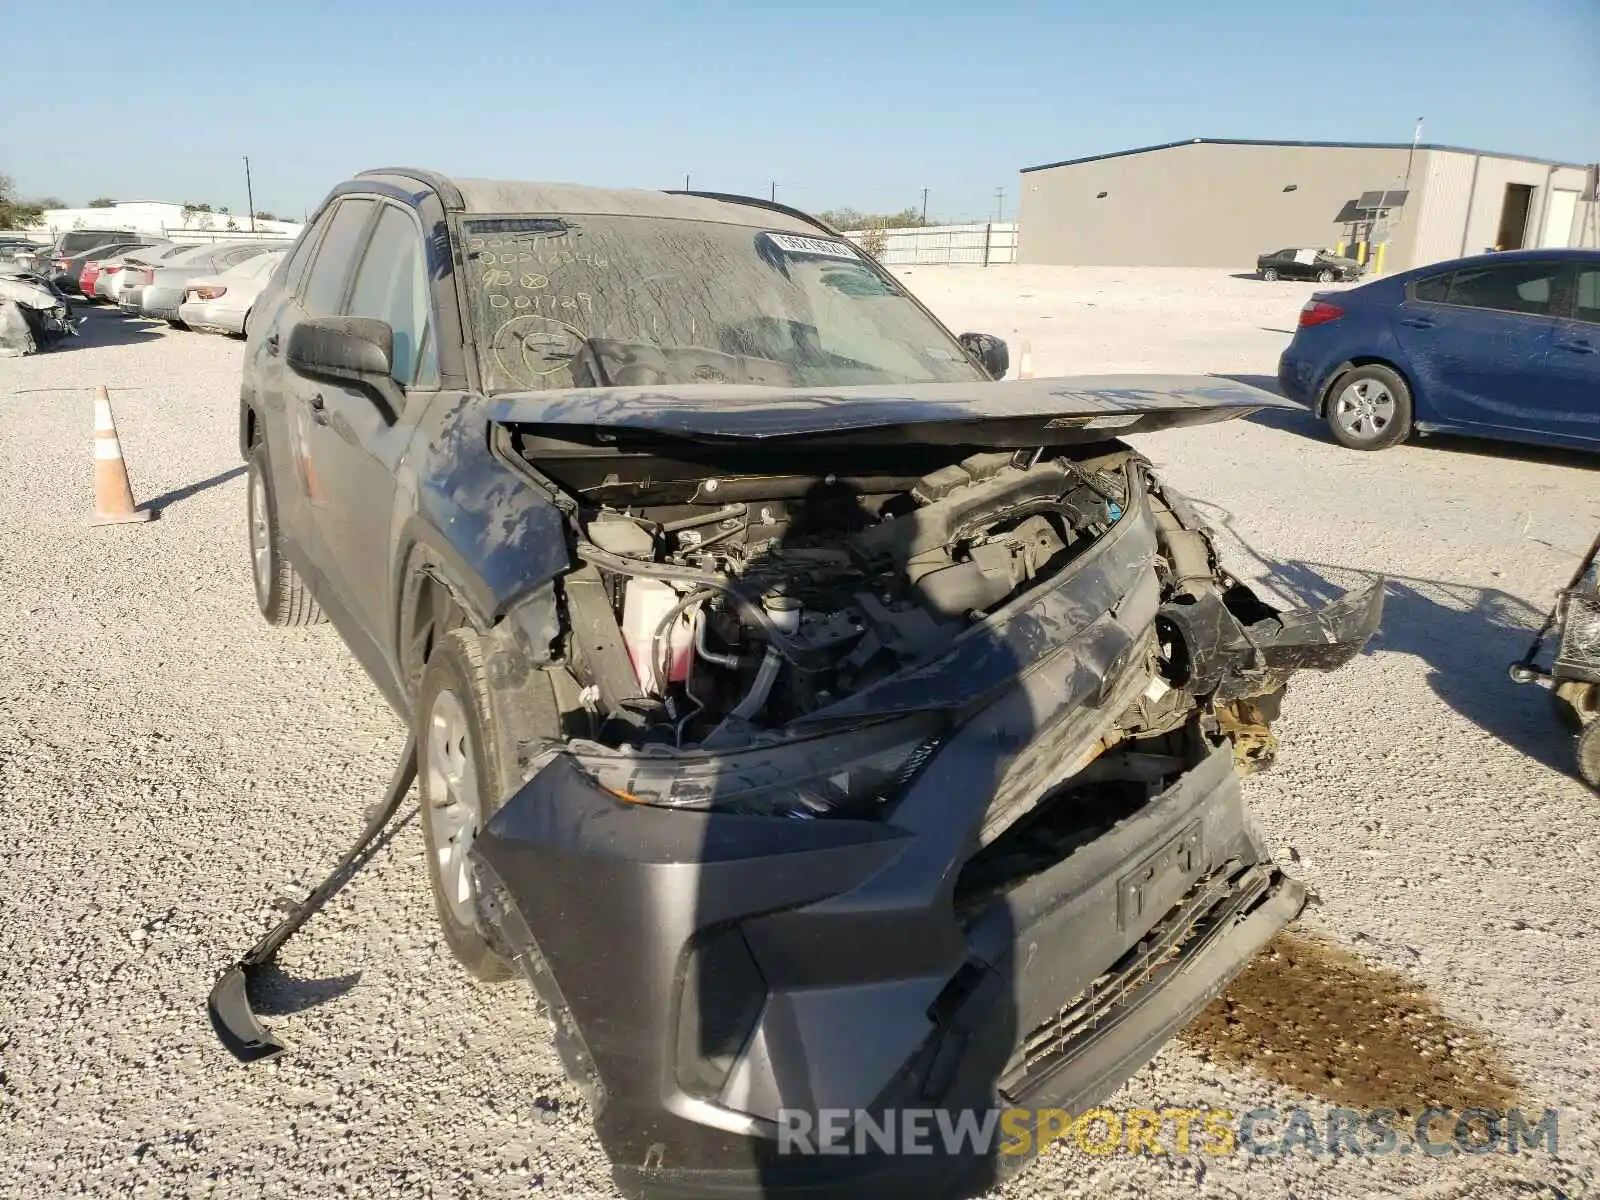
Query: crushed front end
[{"x": 908, "y": 794}]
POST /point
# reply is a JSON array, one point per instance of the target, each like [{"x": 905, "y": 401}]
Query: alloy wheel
[
  {"x": 1364, "y": 409},
  {"x": 451, "y": 804}
]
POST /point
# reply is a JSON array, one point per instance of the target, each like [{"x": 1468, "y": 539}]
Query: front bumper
[{"x": 869, "y": 993}]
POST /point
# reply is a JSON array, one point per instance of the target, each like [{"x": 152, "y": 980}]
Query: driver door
[{"x": 355, "y": 445}]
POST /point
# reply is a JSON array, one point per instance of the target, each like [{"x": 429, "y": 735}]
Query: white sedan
[{"x": 220, "y": 303}]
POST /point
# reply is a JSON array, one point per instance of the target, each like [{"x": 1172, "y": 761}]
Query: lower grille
[{"x": 1205, "y": 911}]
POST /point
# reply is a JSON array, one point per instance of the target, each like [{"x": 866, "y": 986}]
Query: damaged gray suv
[{"x": 818, "y": 722}]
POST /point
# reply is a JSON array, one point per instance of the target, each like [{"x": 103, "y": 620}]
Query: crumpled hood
[{"x": 1005, "y": 413}]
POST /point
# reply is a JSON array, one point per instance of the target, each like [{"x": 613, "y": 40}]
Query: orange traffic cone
[
  {"x": 113, "y": 495},
  {"x": 1025, "y": 362}
]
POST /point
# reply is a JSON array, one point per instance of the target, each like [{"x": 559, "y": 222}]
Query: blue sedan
[{"x": 1502, "y": 346}]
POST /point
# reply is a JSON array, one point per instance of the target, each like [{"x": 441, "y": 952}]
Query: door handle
[
  {"x": 272, "y": 343},
  {"x": 1576, "y": 347},
  {"x": 319, "y": 409},
  {"x": 1418, "y": 322}
]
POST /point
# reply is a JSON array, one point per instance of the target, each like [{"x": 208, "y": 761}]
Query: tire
[
  {"x": 466, "y": 768},
  {"x": 1576, "y": 703},
  {"x": 281, "y": 595},
  {"x": 1589, "y": 755},
  {"x": 1369, "y": 408},
  {"x": 1326, "y": 276},
  {"x": 1269, "y": 275}
]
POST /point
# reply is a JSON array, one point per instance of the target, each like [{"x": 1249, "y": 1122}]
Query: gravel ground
[{"x": 169, "y": 764}]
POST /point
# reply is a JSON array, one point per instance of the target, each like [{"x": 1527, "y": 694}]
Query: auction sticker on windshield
[{"x": 791, "y": 244}]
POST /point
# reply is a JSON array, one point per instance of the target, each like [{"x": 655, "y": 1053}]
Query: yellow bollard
[
  {"x": 1361, "y": 252},
  {"x": 1338, "y": 249},
  {"x": 1377, "y": 262}
]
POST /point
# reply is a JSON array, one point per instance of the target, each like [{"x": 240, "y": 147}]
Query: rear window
[
  {"x": 1435, "y": 289},
  {"x": 79, "y": 240},
  {"x": 1510, "y": 287}
]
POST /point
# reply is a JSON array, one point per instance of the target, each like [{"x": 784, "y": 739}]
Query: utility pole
[
  {"x": 249, "y": 195},
  {"x": 924, "y": 206},
  {"x": 1416, "y": 137},
  {"x": 999, "y": 205},
  {"x": 686, "y": 181},
  {"x": 772, "y": 197}
]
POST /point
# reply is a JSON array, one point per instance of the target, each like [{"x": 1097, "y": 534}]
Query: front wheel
[
  {"x": 1369, "y": 408},
  {"x": 462, "y": 783},
  {"x": 1326, "y": 276},
  {"x": 1269, "y": 275}
]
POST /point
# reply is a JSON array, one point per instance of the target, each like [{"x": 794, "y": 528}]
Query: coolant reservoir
[{"x": 645, "y": 604}]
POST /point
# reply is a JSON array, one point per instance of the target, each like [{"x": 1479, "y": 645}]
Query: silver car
[
  {"x": 164, "y": 282},
  {"x": 113, "y": 270}
]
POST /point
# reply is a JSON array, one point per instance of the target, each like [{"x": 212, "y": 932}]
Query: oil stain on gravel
[{"x": 1312, "y": 1015}]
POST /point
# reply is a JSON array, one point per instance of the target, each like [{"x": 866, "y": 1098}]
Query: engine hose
[{"x": 660, "y": 659}]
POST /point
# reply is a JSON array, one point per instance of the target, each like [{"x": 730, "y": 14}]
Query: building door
[
  {"x": 1558, "y": 217},
  {"x": 1514, "y": 217}
]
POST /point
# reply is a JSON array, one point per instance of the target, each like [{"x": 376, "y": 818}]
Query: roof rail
[{"x": 449, "y": 194}]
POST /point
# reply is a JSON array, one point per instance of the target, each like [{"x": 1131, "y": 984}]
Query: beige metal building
[{"x": 1217, "y": 202}]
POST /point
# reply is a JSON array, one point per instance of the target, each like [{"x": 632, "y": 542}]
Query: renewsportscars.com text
[{"x": 1210, "y": 1131}]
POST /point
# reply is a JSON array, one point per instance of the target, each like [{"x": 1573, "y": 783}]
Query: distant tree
[
  {"x": 223, "y": 210},
  {"x": 16, "y": 213},
  {"x": 849, "y": 219},
  {"x": 264, "y": 215},
  {"x": 102, "y": 202},
  {"x": 49, "y": 202},
  {"x": 232, "y": 224}
]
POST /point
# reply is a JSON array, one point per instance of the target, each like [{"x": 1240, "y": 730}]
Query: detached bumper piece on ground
[{"x": 229, "y": 1003}]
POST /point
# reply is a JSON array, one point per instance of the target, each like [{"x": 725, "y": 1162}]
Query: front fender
[{"x": 493, "y": 535}]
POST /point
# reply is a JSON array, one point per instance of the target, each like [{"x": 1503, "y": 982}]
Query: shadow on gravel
[
  {"x": 1466, "y": 636},
  {"x": 1314, "y": 1016},
  {"x": 103, "y": 326},
  {"x": 158, "y": 503},
  {"x": 276, "y": 993}
]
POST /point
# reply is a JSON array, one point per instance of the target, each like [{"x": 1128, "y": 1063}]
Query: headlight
[{"x": 848, "y": 774}]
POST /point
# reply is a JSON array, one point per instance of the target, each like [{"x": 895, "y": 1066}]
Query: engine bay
[{"x": 746, "y": 600}]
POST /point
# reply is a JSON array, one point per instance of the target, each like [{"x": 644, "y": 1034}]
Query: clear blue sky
[{"x": 861, "y": 105}]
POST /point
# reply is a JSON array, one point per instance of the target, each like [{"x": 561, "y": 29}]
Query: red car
[{"x": 91, "y": 272}]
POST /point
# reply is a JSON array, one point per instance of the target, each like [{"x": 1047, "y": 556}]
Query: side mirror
[
  {"x": 354, "y": 350},
  {"x": 990, "y": 352}
]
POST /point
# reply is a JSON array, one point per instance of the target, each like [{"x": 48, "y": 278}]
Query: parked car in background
[
  {"x": 1500, "y": 346},
  {"x": 105, "y": 270},
  {"x": 1308, "y": 263},
  {"x": 814, "y": 718},
  {"x": 68, "y": 270},
  {"x": 221, "y": 303},
  {"x": 74, "y": 242},
  {"x": 108, "y": 280},
  {"x": 133, "y": 266},
  {"x": 164, "y": 282}
]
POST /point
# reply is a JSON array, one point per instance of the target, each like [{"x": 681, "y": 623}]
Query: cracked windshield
[{"x": 641, "y": 301}]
